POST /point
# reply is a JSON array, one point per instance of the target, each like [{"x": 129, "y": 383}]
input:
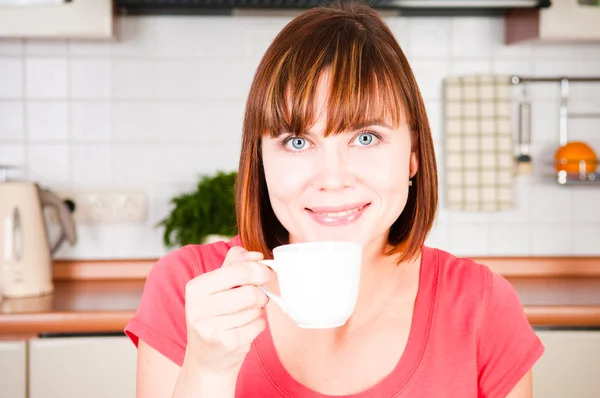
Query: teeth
[{"x": 342, "y": 213}]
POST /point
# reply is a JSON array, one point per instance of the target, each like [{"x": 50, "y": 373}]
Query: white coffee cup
[{"x": 318, "y": 282}]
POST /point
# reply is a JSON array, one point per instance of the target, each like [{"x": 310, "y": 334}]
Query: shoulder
[
  {"x": 189, "y": 261},
  {"x": 464, "y": 275},
  {"x": 484, "y": 307},
  {"x": 471, "y": 288}
]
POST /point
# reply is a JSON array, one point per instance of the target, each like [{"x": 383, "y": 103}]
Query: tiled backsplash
[{"x": 164, "y": 104}]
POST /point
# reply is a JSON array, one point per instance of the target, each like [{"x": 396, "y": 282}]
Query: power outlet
[
  {"x": 129, "y": 206},
  {"x": 107, "y": 206}
]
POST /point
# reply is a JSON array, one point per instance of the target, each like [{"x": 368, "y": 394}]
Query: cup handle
[{"x": 277, "y": 299}]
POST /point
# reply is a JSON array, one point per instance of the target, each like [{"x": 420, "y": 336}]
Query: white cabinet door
[
  {"x": 76, "y": 367},
  {"x": 81, "y": 19},
  {"x": 569, "y": 20},
  {"x": 13, "y": 369},
  {"x": 570, "y": 366}
]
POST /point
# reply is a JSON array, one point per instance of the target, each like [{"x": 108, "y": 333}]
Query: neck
[{"x": 382, "y": 280}]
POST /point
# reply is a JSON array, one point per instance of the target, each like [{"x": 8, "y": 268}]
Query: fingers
[
  {"x": 240, "y": 267},
  {"x": 232, "y": 332},
  {"x": 235, "y": 300},
  {"x": 225, "y": 278},
  {"x": 238, "y": 320},
  {"x": 242, "y": 337},
  {"x": 238, "y": 254},
  {"x": 248, "y": 333}
]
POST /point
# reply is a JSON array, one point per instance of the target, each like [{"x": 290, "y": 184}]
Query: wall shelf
[
  {"x": 578, "y": 179},
  {"x": 581, "y": 178}
]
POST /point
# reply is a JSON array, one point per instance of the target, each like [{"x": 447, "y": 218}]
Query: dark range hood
[{"x": 401, "y": 7}]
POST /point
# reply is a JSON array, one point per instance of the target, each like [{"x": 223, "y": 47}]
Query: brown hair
[{"x": 371, "y": 80}]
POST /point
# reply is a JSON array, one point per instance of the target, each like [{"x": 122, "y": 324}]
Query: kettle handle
[{"x": 67, "y": 224}]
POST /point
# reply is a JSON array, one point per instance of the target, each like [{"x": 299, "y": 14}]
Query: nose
[{"x": 333, "y": 171}]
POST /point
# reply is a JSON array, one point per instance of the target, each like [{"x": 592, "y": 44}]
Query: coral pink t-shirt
[{"x": 469, "y": 336}]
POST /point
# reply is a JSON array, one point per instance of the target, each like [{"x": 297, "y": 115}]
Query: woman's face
[{"x": 349, "y": 187}]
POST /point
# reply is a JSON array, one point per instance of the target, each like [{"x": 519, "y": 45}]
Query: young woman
[{"x": 336, "y": 146}]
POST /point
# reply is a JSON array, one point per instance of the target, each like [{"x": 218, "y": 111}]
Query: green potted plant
[{"x": 203, "y": 215}]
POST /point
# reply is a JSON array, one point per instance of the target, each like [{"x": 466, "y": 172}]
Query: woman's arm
[
  {"x": 156, "y": 374},
  {"x": 524, "y": 388},
  {"x": 159, "y": 377}
]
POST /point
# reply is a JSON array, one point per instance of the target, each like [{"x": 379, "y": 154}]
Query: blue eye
[
  {"x": 297, "y": 143},
  {"x": 365, "y": 139}
]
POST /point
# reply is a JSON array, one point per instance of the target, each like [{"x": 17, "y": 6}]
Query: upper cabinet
[
  {"x": 564, "y": 20},
  {"x": 57, "y": 19}
]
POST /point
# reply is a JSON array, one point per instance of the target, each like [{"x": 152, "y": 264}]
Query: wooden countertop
[
  {"x": 92, "y": 306},
  {"x": 78, "y": 306}
]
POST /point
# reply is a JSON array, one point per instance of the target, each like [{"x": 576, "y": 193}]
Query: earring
[{"x": 410, "y": 183}]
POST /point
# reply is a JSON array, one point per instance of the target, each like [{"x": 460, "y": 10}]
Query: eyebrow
[
  {"x": 366, "y": 123},
  {"x": 372, "y": 122}
]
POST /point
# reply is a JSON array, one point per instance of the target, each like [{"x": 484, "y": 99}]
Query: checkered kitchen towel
[{"x": 480, "y": 163}]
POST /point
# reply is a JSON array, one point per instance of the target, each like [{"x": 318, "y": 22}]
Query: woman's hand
[{"x": 224, "y": 313}]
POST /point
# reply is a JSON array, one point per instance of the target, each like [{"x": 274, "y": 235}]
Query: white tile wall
[
  {"x": 553, "y": 239},
  {"x": 47, "y": 121},
  {"x": 585, "y": 240},
  {"x": 510, "y": 240},
  {"x": 45, "y": 47},
  {"x": 11, "y": 72},
  {"x": 46, "y": 77},
  {"x": 14, "y": 155},
  {"x": 471, "y": 37},
  {"x": 429, "y": 74},
  {"x": 429, "y": 37},
  {"x": 11, "y": 121},
  {"x": 91, "y": 121},
  {"x": 49, "y": 164},
  {"x": 10, "y": 47},
  {"x": 463, "y": 66},
  {"x": 91, "y": 165},
  {"x": 90, "y": 78},
  {"x": 164, "y": 104}
]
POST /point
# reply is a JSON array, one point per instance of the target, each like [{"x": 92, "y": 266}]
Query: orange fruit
[{"x": 569, "y": 156}]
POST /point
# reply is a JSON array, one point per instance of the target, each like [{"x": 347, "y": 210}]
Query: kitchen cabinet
[
  {"x": 570, "y": 366},
  {"x": 563, "y": 21},
  {"x": 75, "y": 367},
  {"x": 13, "y": 368},
  {"x": 82, "y": 19},
  {"x": 100, "y": 367}
]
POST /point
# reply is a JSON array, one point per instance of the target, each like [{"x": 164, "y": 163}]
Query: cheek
[
  {"x": 391, "y": 187},
  {"x": 386, "y": 171},
  {"x": 284, "y": 177}
]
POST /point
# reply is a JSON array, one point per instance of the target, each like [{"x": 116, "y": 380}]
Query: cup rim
[{"x": 341, "y": 245}]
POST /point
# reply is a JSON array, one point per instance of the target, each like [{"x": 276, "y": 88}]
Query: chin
[
  {"x": 338, "y": 235},
  {"x": 360, "y": 232}
]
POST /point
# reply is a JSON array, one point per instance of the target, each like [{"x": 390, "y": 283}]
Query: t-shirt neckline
[{"x": 399, "y": 377}]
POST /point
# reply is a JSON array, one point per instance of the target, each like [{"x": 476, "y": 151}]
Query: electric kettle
[{"x": 25, "y": 253}]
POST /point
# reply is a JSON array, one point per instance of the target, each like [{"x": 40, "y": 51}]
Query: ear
[{"x": 414, "y": 164}]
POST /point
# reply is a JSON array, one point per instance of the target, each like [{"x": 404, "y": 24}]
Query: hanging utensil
[{"x": 524, "y": 132}]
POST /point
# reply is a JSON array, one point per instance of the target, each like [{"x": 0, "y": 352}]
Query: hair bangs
[{"x": 362, "y": 89}]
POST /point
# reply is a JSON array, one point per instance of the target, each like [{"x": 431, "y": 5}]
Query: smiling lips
[{"x": 340, "y": 215}]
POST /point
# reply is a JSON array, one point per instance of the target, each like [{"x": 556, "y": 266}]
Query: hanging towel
[{"x": 480, "y": 162}]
